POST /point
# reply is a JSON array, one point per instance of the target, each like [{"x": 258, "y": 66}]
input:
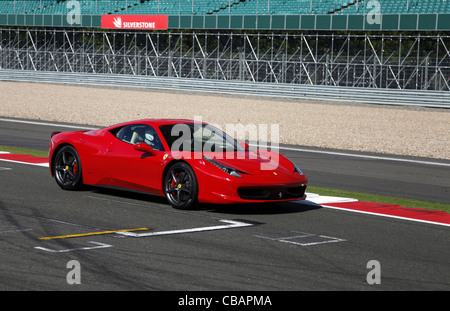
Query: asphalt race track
[{"x": 129, "y": 241}]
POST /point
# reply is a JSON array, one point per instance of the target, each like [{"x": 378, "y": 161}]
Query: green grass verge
[
  {"x": 35, "y": 153},
  {"x": 367, "y": 197},
  {"x": 364, "y": 197}
]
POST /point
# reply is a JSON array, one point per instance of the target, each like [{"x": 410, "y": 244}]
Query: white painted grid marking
[
  {"x": 230, "y": 224},
  {"x": 13, "y": 229},
  {"x": 99, "y": 245},
  {"x": 313, "y": 239}
]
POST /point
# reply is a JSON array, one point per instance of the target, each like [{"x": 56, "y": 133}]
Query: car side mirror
[
  {"x": 144, "y": 148},
  {"x": 245, "y": 145}
]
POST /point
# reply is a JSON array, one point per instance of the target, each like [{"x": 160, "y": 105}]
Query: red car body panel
[{"x": 108, "y": 161}]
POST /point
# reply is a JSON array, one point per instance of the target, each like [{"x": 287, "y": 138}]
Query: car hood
[{"x": 252, "y": 163}]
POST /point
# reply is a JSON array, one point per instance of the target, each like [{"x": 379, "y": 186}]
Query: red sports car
[{"x": 185, "y": 161}]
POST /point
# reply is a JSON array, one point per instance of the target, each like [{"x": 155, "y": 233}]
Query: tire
[
  {"x": 67, "y": 168},
  {"x": 181, "y": 186}
]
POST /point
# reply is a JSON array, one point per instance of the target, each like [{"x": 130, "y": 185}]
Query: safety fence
[{"x": 436, "y": 99}]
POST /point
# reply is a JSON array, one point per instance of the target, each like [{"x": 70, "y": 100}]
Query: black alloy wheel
[
  {"x": 67, "y": 168},
  {"x": 180, "y": 186}
]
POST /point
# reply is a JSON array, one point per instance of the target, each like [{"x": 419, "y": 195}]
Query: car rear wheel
[
  {"x": 67, "y": 168},
  {"x": 181, "y": 187}
]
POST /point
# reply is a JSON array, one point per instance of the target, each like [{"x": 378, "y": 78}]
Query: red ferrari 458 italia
[{"x": 185, "y": 161}]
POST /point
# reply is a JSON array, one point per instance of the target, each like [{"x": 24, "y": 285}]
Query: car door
[{"x": 133, "y": 169}]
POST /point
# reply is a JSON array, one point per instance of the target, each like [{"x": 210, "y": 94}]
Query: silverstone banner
[{"x": 147, "y": 22}]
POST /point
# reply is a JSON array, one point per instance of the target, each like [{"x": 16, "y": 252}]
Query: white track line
[
  {"x": 387, "y": 215},
  {"x": 230, "y": 224},
  {"x": 48, "y": 124},
  {"x": 361, "y": 156},
  {"x": 27, "y": 163}
]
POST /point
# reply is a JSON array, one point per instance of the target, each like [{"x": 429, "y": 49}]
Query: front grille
[{"x": 272, "y": 193}]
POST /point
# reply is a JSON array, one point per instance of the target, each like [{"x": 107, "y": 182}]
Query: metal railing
[{"x": 420, "y": 98}]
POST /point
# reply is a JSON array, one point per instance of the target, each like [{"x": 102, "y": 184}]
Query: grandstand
[
  {"x": 316, "y": 42},
  {"x": 240, "y": 14},
  {"x": 233, "y": 7}
]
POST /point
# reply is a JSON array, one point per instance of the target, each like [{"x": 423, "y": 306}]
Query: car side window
[{"x": 140, "y": 133}]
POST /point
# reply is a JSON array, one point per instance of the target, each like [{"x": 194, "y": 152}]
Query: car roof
[{"x": 153, "y": 122}]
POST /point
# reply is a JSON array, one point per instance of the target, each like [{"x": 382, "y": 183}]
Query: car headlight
[
  {"x": 297, "y": 169},
  {"x": 226, "y": 169}
]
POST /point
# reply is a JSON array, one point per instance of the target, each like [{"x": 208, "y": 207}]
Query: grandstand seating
[{"x": 224, "y": 7}]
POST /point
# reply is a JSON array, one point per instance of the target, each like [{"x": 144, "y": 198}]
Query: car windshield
[{"x": 198, "y": 137}]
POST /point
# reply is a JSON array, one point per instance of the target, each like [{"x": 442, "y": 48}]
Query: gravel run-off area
[{"x": 395, "y": 130}]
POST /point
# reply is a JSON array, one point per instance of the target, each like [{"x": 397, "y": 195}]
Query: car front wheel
[{"x": 180, "y": 186}]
